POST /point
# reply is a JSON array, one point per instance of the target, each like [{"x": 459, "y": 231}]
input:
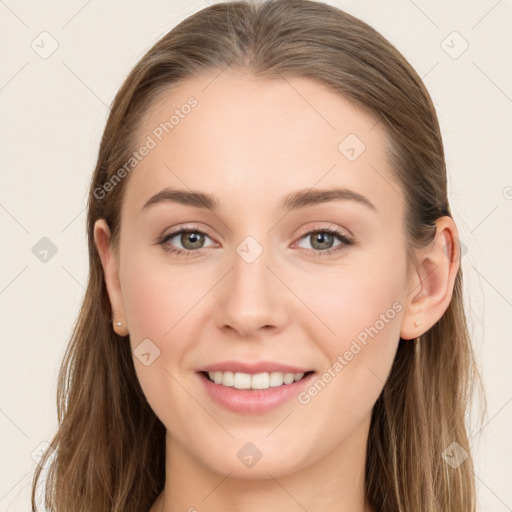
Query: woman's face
[{"x": 257, "y": 285}]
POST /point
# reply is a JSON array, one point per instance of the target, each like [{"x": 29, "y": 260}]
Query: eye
[
  {"x": 190, "y": 238},
  {"x": 321, "y": 240}
]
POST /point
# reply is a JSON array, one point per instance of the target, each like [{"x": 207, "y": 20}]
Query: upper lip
[{"x": 252, "y": 368}]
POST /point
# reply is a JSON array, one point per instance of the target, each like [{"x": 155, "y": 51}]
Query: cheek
[
  {"x": 346, "y": 299},
  {"x": 156, "y": 297},
  {"x": 360, "y": 307},
  {"x": 158, "y": 300}
]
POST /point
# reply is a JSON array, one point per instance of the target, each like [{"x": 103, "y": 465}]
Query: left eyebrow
[
  {"x": 296, "y": 200},
  {"x": 309, "y": 197}
]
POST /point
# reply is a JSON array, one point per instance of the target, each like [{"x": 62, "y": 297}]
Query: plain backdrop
[{"x": 62, "y": 63}]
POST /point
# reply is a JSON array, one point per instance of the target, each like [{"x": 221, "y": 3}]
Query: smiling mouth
[{"x": 254, "y": 382}]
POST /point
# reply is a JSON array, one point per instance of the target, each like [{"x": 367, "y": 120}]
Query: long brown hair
[{"x": 110, "y": 446}]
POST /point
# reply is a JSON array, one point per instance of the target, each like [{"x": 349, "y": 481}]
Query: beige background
[{"x": 53, "y": 113}]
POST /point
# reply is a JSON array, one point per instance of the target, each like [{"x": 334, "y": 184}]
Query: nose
[{"x": 252, "y": 300}]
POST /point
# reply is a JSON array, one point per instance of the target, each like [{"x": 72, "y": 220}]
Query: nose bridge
[
  {"x": 252, "y": 281},
  {"x": 252, "y": 297},
  {"x": 251, "y": 265}
]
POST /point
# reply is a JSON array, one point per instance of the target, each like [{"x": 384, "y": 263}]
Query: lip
[
  {"x": 247, "y": 401},
  {"x": 253, "y": 368}
]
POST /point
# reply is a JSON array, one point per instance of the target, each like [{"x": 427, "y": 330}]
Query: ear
[
  {"x": 431, "y": 284},
  {"x": 111, "y": 271}
]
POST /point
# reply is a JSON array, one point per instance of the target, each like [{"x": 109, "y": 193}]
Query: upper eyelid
[
  {"x": 182, "y": 229},
  {"x": 307, "y": 231}
]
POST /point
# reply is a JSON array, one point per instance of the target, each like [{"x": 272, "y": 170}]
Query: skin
[{"x": 250, "y": 142}]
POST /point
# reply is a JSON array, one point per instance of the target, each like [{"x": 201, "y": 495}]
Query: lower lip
[{"x": 257, "y": 401}]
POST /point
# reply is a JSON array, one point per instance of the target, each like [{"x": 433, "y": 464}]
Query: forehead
[{"x": 238, "y": 136}]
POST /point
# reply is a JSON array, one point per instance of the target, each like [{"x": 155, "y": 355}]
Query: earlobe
[
  {"x": 111, "y": 272},
  {"x": 431, "y": 286}
]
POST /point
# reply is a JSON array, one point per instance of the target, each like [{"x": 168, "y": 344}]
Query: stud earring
[{"x": 119, "y": 329}]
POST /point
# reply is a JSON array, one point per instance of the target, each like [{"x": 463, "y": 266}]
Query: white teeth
[
  {"x": 276, "y": 379},
  {"x": 241, "y": 380},
  {"x": 288, "y": 378},
  {"x": 260, "y": 381}
]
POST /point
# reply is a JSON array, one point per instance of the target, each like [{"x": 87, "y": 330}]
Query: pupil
[
  {"x": 189, "y": 237},
  {"x": 320, "y": 239}
]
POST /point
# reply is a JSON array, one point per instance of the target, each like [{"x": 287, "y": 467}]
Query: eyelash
[{"x": 346, "y": 241}]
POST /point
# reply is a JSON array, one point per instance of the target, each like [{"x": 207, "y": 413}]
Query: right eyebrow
[{"x": 185, "y": 197}]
